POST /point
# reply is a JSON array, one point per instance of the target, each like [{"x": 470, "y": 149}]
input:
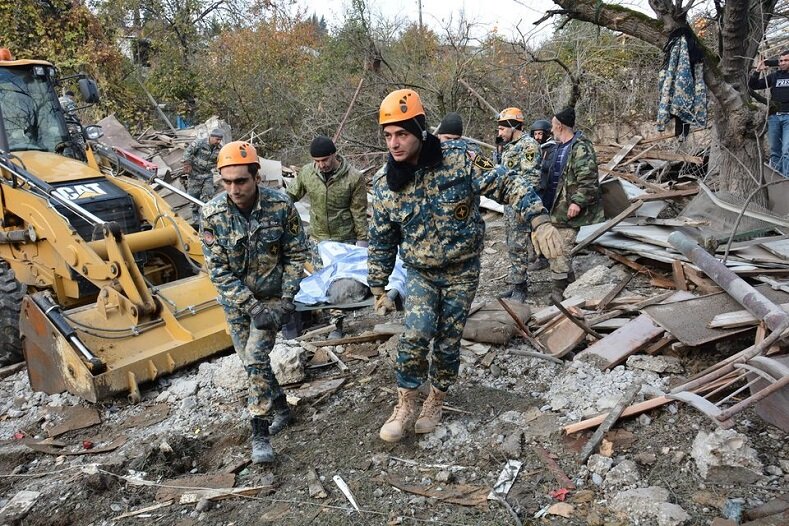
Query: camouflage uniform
[
  {"x": 522, "y": 156},
  {"x": 435, "y": 222},
  {"x": 200, "y": 183},
  {"x": 577, "y": 183},
  {"x": 338, "y": 207},
  {"x": 260, "y": 258}
]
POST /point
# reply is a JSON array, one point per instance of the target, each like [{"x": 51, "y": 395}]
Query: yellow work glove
[
  {"x": 383, "y": 303},
  {"x": 547, "y": 241}
]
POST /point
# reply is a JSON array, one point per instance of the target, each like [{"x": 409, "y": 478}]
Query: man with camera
[{"x": 778, "y": 112}]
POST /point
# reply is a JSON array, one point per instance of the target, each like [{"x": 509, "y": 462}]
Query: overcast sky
[{"x": 503, "y": 15}]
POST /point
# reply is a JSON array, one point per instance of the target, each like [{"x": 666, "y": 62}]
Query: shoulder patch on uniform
[
  {"x": 482, "y": 162},
  {"x": 294, "y": 224},
  {"x": 461, "y": 211},
  {"x": 208, "y": 237}
]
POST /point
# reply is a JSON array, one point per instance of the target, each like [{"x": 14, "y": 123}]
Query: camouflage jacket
[
  {"x": 202, "y": 156},
  {"x": 434, "y": 220},
  {"x": 338, "y": 207},
  {"x": 524, "y": 157},
  {"x": 578, "y": 184},
  {"x": 262, "y": 257}
]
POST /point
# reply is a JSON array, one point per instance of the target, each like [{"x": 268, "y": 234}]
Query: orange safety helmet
[
  {"x": 400, "y": 105},
  {"x": 511, "y": 114},
  {"x": 236, "y": 152},
  {"x": 5, "y": 54}
]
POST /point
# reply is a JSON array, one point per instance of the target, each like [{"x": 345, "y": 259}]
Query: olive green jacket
[{"x": 338, "y": 207}]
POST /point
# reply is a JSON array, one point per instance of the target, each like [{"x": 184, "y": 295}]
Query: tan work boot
[
  {"x": 431, "y": 411},
  {"x": 403, "y": 414}
]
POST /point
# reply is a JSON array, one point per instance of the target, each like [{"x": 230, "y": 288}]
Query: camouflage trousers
[
  {"x": 562, "y": 266},
  {"x": 518, "y": 246},
  {"x": 253, "y": 347},
  {"x": 436, "y": 307},
  {"x": 200, "y": 186}
]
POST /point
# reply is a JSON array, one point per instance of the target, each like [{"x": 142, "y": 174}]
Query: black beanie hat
[
  {"x": 566, "y": 117},
  {"x": 415, "y": 126},
  {"x": 322, "y": 146},
  {"x": 451, "y": 124}
]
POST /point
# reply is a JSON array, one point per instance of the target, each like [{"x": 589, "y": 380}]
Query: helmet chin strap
[{"x": 424, "y": 132}]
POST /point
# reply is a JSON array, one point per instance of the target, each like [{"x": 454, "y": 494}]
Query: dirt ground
[{"x": 196, "y": 427}]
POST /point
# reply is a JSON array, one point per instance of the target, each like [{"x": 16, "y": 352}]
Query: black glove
[
  {"x": 287, "y": 306},
  {"x": 266, "y": 318}
]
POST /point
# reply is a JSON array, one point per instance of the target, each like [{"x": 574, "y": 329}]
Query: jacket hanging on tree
[{"x": 683, "y": 94}]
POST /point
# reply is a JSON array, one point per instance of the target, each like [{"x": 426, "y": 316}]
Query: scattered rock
[
  {"x": 623, "y": 475},
  {"x": 286, "y": 362},
  {"x": 724, "y": 455},
  {"x": 230, "y": 373},
  {"x": 183, "y": 387},
  {"x": 649, "y": 503},
  {"x": 599, "y": 464},
  {"x": 645, "y": 458},
  {"x": 656, "y": 364},
  {"x": 511, "y": 446}
]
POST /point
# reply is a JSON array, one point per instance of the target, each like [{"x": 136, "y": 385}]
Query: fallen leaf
[{"x": 562, "y": 509}]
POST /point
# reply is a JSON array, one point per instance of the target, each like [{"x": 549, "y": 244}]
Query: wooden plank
[
  {"x": 679, "y": 275},
  {"x": 351, "y": 339},
  {"x": 8, "y": 370},
  {"x": 673, "y": 156},
  {"x": 621, "y": 154},
  {"x": 632, "y": 410},
  {"x": 660, "y": 345},
  {"x": 562, "y": 338},
  {"x": 707, "y": 286},
  {"x": 739, "y": 318},
  {"x": 656, "y": 279},
  {"x": 545, "y": 315},
  {"x": 671, "y": 194},
  {"x": 614, "y": 292},
  {"x": 617, "y": 346},
  {"x": 611, "y": 324},
  {"x": 609, "y": 421},
  {"x": 608, "y": 225}
]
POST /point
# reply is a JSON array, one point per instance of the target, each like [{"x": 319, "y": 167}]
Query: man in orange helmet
[
  {"x": 255, "y": 250},
  {"x": 426, "y": 205},
  {"x": 520, "y": 153}
]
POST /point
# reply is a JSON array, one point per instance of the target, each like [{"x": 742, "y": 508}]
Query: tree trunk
[{"x": 741, "y": 156}]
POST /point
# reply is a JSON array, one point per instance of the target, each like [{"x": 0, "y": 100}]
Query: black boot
[
  {"x": 282, "y": 415},
  {"x": 520, "y": 291},
  {"x": 262, "y": 452}
]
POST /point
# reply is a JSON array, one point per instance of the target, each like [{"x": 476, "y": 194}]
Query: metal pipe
[
  {"x": 18, "y": 236},
  {"x": 753, "y": 300},
  {"x": 140, "y": 241}
]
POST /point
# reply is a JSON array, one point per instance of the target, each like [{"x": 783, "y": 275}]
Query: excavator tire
[{"x": 11, "y": 294}]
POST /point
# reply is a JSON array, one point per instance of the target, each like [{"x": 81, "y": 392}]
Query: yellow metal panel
[{"x": 55, "y": 168}]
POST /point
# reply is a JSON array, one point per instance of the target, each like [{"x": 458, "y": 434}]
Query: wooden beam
[
  {"x": 679, "y": 275},
  {"x": 605, "y": 227},
  {"x": 609, "y": 421},
  {"x": 657, "y": 280},
  {"x": 634, "y": 409},
  {"x": 671, "y": 194},
  {"x": 621, "y": 154}
]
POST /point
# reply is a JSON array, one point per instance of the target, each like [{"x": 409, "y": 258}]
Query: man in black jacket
[{"x": 778, "y": 119}]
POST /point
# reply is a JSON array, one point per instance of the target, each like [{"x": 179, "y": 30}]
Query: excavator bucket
[{"x": 116, "y": 359}]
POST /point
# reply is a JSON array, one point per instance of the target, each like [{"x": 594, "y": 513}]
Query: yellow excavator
[{"x": 102, "y": 284}]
